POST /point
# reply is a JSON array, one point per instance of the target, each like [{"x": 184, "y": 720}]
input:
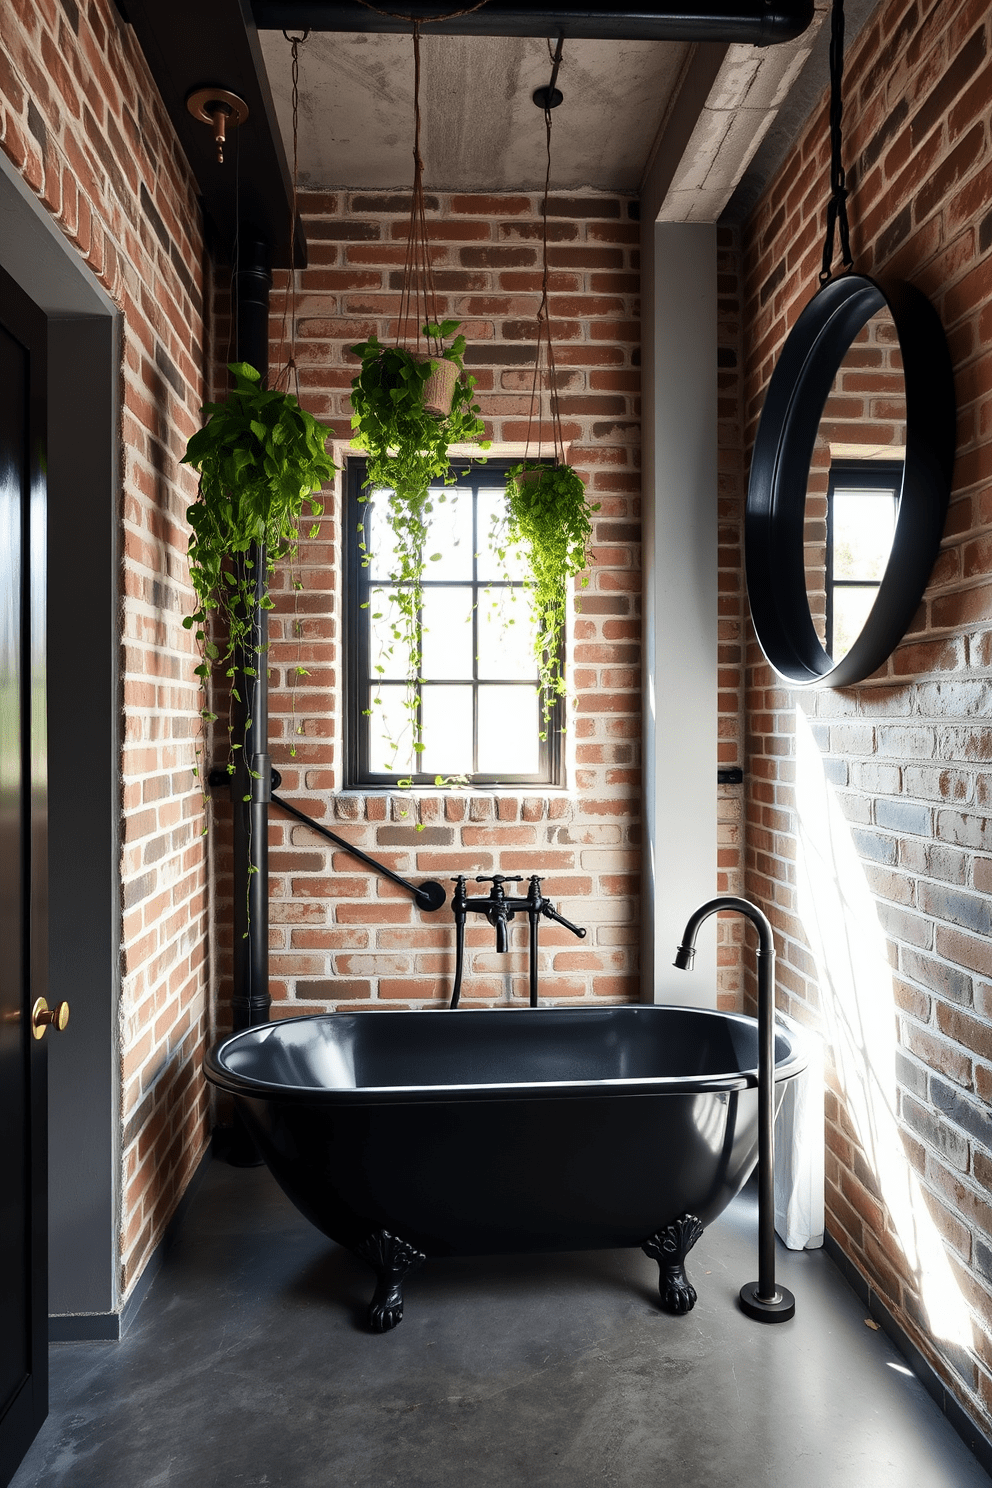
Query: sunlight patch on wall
[{"x": 839, "y": 917}]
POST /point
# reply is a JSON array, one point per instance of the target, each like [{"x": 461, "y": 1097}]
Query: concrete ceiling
[
  {"x": 679, "y": 123},
  {"x": 481, "y": 130}
]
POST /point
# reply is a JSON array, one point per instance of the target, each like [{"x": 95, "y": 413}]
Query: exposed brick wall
[
  {"x": 905, "y": 754},
  {"x": 340, "y": 936},
  {"x": 81, "y": 120},
  {"x": 732, "y": 609}
]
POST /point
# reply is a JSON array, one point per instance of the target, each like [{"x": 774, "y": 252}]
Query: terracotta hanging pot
[
  {"x": 526, "y": 479},
  {"x": 439, "y": 389}
]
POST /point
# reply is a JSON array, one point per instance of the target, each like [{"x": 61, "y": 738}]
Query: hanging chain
[
  {"x": 290, "y": 370},
  {"x": 837, "y": 205},
  {"x": 544, "y": 351}
]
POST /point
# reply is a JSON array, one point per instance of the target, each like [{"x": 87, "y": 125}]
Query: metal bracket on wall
[{"x": 428, "y": 896}]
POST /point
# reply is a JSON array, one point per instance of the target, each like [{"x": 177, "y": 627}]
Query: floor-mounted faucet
[
  {"x": 760, "y": 1299},
  {"x": 499, "y": 910}
]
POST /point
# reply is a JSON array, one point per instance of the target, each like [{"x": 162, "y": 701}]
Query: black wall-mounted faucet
[{"x": 499, "y": 910}]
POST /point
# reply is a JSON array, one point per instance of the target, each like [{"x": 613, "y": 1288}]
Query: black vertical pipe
[
  {"x": 534, "y": 902},
  {"x": 251, "y": 785},
  {"x": 766, "y": 1290},
  {"x": 458, "y": 902}
]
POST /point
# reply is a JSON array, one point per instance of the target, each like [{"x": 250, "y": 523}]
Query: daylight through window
[{"x": 476, "y": 698}]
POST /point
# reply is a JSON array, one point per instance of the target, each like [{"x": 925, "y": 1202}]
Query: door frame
[
  {"x": 85, "y": 910},
  {"x": 24, "y": 323}
]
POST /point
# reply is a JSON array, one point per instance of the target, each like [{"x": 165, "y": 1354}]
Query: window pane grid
[{"x": 510, "y": 697}]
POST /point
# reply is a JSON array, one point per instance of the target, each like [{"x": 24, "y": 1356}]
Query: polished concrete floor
[{"x": 248, "y": 1365}]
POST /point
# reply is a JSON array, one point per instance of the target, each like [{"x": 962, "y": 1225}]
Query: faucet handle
[
  {"x": 552, "y": 914},
  {"x": 499, "y": 878}
]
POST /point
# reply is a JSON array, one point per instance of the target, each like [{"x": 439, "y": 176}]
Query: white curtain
[{"x": 799, "y": 1150}]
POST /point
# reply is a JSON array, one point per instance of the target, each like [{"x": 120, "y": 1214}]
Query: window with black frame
[
  {"x": 862, "y": 506},
  {"x": 476, "y": 698}
]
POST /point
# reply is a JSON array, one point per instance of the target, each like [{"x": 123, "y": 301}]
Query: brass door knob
[{"x": 43, "y": 1017}]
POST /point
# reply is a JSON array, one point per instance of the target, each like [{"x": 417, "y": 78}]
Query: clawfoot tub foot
[
  {"x": 669, "y": 1247},
  {"x": 392, "y": 1260}
]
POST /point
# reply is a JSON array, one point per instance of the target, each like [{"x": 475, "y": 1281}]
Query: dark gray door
[{"x": 23, "y": 920}]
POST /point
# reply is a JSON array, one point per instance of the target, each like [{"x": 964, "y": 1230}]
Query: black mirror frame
[{"x": 775, "y": 511}]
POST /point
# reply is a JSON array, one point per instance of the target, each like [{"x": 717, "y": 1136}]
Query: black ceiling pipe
[{"x": 754, "y": 22}]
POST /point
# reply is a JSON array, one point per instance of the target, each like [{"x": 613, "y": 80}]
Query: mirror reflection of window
[
  {"x": 862, "y": 507},
  {"x": 862, "y": 426}
]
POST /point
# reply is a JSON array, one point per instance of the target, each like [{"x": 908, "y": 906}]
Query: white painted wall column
[{"x": 679, "y": 351}]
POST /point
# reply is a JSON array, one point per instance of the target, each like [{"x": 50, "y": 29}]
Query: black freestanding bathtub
[{"x": 409, "y": 1135}]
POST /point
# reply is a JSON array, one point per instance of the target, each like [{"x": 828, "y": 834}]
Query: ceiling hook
[
  {"x": 550, "y": 97},
  {"x": 219, "y": 108}
]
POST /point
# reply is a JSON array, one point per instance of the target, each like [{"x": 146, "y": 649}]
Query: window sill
[{"x": 462, "y": 792}]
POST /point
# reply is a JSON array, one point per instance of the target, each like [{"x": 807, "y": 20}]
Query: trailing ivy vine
[
  {"x": 548, "y": 515},
  {"x": 261, "y": 458},
  {"x": 408, "y": 455}
]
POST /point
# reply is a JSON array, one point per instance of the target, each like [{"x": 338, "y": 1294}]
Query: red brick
[
  {"x": 942, "y": 664},
  {"x": 457, "y": 232},
  {"x": 491, "y": 206}
]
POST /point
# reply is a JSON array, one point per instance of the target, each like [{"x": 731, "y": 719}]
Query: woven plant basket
[{"x": 439, "y": 389}]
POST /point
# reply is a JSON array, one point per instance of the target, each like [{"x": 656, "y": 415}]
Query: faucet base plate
[{"x": 778, "y": 1310}]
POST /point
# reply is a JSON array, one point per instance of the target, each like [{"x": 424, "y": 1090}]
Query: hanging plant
[
  {"x": 397, "y": 419},
  {"x": 547, "y": 513},
  {"x": 261, "y": 458},
  {"x": 548, "y": 516},
  {"x": 410, "y": 403},
  {"x": 407, "y": 434}
]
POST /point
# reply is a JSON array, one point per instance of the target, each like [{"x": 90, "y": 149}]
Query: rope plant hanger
[
  {"x": 546, "y": 508},
  {"x": 411, "y": 402},
  {"x": 289, "y": 379},
  {"x": 418, "y": 301},
  {"x": 545, "y": 371},
  {"x": 261, "y": 459}
]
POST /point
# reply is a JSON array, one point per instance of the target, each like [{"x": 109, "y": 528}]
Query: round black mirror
[{"x": 850, "y": 481}]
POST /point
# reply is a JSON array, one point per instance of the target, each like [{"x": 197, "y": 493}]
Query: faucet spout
[
  {"x": 497, "y": 909},
  {"x": 766, "y": 943},
  {"x": 499, "y": 921},
  {"x": 761, "y": 1299}
]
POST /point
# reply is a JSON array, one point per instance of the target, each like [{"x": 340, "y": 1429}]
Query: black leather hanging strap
[{"x": 837, "y": 205}]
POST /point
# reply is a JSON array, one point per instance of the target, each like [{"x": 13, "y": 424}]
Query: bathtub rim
[{"x": 235, "y": 1083}]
